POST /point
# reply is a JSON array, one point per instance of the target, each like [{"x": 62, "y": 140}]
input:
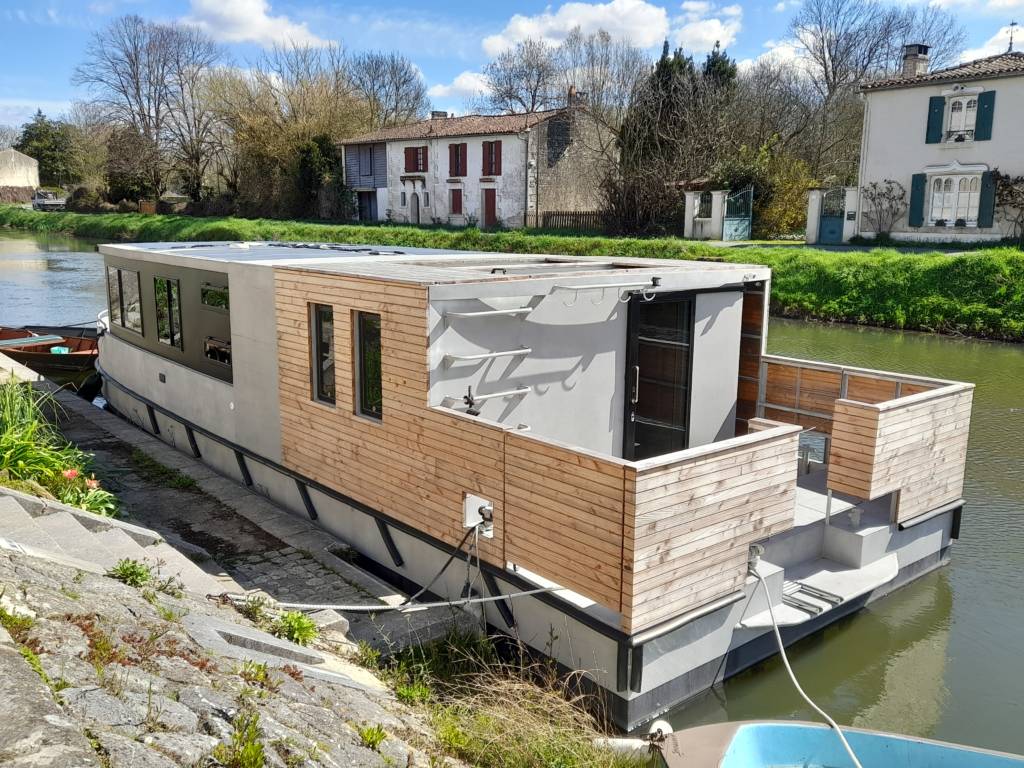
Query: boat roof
[{"x": 420, "y": 265}]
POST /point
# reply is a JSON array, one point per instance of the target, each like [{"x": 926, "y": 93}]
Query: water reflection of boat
[
  {"x": 51, "y": 349},
  {"x": 765, "y": 744}
]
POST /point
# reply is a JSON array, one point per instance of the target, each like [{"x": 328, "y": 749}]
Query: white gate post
[
  {"x": 689, "y": 211},
  {"x": 851, "y": 204},
  {"x": 718, "y": 214},
  {"x": 814, "y": 198}
]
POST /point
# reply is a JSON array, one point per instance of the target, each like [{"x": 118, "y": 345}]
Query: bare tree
[
  {"x": 522, "y": 79},
  {"x": 191, "y": 122},
  {"x": 8, "y": 135},
  {"x": 90, "y": 131},
  {"x": 392, "y": 86},
  {"x": 605, "y": 72},
  {"x": 127, "y": 66}
]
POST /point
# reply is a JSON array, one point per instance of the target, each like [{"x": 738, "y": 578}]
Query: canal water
[{"x": 941, "y": 658}]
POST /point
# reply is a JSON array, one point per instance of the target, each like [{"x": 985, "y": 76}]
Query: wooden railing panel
[
  {"x": 564, "y": 516},
  {"x": 915, "y": 445},
  {"x": 695, "y": 516}
]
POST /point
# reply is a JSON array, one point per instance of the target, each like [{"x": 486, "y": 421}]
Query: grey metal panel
[{"x": 355, "y": 179}]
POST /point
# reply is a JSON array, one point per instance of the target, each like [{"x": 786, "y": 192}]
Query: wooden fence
[{"x": 573, "y": 221}]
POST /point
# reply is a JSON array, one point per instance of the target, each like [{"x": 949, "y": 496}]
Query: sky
[{"x": 41, "y": 41}]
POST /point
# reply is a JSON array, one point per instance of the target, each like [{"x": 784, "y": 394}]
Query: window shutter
[
  {"x": 987, "y": 201},
  {"x": 453, "y": 159},
  {"x": 986, "y": 111},
  {"x": 918, "y": 185},
  {"x": 486, "y": 167},
  {"x": 497, "y": 158},
  {"x": 456, "y": 201},
  {"x": 426, "y": 164},
  {"x": 936, "y": 114},
  {"x": 410, "y": 159},
  {"x": 463, "y": 165}
]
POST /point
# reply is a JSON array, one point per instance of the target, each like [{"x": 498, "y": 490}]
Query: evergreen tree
[
  {"x": 719, "y": 68},
  {"x": 51, "y": 143}
]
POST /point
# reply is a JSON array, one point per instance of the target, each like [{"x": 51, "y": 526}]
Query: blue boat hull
[{"x": 808, "y": 745}]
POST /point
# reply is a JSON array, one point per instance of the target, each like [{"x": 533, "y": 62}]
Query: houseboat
[{"x": 610, "y": 431}]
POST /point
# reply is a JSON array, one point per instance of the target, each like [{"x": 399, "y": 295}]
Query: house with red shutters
[{"x": 478, "y": 170}]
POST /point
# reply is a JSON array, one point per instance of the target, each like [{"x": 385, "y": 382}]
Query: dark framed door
[
  {"x": 658, "y": 373},
  {"x": 490, "y": 208}
]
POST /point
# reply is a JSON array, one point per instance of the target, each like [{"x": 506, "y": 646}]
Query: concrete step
[
  {"x": 18, "y": 525},
  {"x": 73, "y": 537},
  {"x": 117, "y": 545},
  {"x": 174, "y": 563}
]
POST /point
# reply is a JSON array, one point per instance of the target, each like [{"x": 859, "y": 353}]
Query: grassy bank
[{"x": 979, "y": 294}]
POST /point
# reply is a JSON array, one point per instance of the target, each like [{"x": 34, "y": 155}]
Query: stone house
[
  {"x": 484, "y": 170},
  {"x": 19, "y": 176},
  {"x": 941, "y": 134}
]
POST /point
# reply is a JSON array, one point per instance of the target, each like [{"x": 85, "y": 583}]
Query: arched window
[
  {"x": 955, "y": 198},
  {"x": 704, "y": 206},
  {"x": 963, "y": 114}
]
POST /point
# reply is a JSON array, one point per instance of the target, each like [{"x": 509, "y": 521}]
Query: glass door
[{"x": 658, "y": 375}]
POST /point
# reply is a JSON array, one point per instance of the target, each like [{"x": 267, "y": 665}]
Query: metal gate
[
  {"x": 833, "y": 212},
  {"x": 739, "y": 213}
]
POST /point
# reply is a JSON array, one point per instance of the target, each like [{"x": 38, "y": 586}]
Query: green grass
[
  {"x": 152, "y": 470},
  {"x": 296, "y": 627},
  {"x": 980, "y": 293}
]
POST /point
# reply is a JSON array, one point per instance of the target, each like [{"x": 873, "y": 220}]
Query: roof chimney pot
[
  {"x": 438, "y": 114},
  {"x": 915, "y": 60}
]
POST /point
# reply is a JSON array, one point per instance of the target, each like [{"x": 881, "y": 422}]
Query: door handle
[{"x": 636, "y": 385}]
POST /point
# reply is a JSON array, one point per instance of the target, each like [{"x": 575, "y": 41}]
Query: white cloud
[
  {"x": 637, "y": 21},
  {"x": 18, "y": 110},
  {"x": 998, "y": 43},
  {"x": 466, "y": 85},
  {"x": 783, "y": 5},
  {"x": 248, "y": 21},
  {"x": 702, "y": 24}
]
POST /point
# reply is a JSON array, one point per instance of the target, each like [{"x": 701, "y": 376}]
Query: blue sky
[{"x": 41, "y": 41}]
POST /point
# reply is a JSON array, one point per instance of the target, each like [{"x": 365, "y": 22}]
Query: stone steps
[{"x": 65, "y": 533}]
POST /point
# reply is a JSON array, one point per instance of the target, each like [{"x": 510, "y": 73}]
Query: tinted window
[
  {"x": 323, "y": 353},
  {"x": 215, "y": 296},
  {"x": 125, "y": 299},
  {"x": 114, "y": 294},
  {"x": 217, "y": 350},
  {"x": 168, "y": 310},
  {"x": 368, "y": 342}
]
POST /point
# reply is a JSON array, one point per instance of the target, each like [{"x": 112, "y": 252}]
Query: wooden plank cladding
[
  {"x": 915, "y": 445},
  {"x": 696, "y": 512}
]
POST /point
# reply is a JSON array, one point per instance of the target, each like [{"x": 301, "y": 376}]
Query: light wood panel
[
  {"x": 694, "y": 518},
  {"x": 915, "y": 445}
]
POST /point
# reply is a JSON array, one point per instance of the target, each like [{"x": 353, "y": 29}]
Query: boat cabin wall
[
  {"x": 238, "y": 401},
  {"x": 574, "y": 380}
]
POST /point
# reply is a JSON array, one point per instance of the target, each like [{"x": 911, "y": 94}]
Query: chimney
[
  {"x": 915, "y": 60},
  {"x": 574, "y": 97},
  {"x": 438, "y": 114}
]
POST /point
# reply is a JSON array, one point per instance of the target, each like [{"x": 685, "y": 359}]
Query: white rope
[
  {"x": 405, "y": 608},
  {"x": 792, "y": 676}
]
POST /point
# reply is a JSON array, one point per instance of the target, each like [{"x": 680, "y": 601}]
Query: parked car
[{"x": 44, "y": 200}]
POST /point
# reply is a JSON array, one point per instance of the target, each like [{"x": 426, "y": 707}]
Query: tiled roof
[
  {"x": 1000, "y": 65},
  {"x": 467, "y": 125}
]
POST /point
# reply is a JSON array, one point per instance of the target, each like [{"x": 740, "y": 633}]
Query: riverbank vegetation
[
  {"x": 35, "y": 458},
  {"x": 492, "y": 706},
  {"x": 979, "y": 293}
]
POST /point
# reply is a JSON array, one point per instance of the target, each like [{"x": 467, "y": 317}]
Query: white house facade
[
  {"x": 940, "y": 135},
  {"x": 483, "y": 170},
  {"x": 18, "y": 170}
]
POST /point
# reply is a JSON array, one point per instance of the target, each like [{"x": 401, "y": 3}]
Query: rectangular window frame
[
  {"x": 217, "y": 350},
  {"x": 366, "y": 160},
  {"x": 121, "y": 317},
  {"x": 208, "y": 288},
  {"x": 171, "y": 311},
  {"x": 365, "y": 386},
  {"x": 321, "y": 392},
  {"x": 455, "y": 202}
]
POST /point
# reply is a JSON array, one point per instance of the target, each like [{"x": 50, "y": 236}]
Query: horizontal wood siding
[
  {"x": 377, "y": 179},
  {"x": 915, "y": 444},
  {"x": 564, "y": 516},
  {"x": 694, "y": 519},
  {"x": 417, "y": 463}
]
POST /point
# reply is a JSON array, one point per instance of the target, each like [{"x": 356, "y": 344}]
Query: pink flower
[
  {"x": 70, "y": 474},
  {"x": 92, "y": 483}
]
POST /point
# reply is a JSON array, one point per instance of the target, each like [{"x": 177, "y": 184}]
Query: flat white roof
[{"x": 423, "y": 265}]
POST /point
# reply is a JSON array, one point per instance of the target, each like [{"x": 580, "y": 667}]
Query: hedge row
[{"x": 980, "y": 293}]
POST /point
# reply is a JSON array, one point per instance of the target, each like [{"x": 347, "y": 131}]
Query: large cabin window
[
  {"x": 323, "y": 352},
  {"x": 215, "y": 296},
  {"x": 369, "y": 398},
  {"x": 125, "y": 298},
  {"x": 168, "y": 310}
]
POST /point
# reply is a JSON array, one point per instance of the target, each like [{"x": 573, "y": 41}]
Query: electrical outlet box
[{"x": 475, "y": 510}]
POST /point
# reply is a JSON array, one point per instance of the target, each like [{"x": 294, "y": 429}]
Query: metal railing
[{"x": 961, "y": 135}]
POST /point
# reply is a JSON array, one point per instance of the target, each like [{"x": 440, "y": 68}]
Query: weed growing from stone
[
  {"x": 254, "y": 609},
  {"x": 152, "y": 470},
  {"x": 372, "y": 736},
  {"x": 367, "y": 656},
  {"x": 293, "y": 672},
  {"x": 131, "y": 572},
  {"x": 258, "y": 674},
  {"x": 245, "y": 750},
  {"x": 416, "y": 692},
  {"x": 296, "y": 627}
]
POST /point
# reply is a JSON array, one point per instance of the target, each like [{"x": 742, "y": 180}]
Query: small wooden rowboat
[{"x": 51, "y": 350}]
